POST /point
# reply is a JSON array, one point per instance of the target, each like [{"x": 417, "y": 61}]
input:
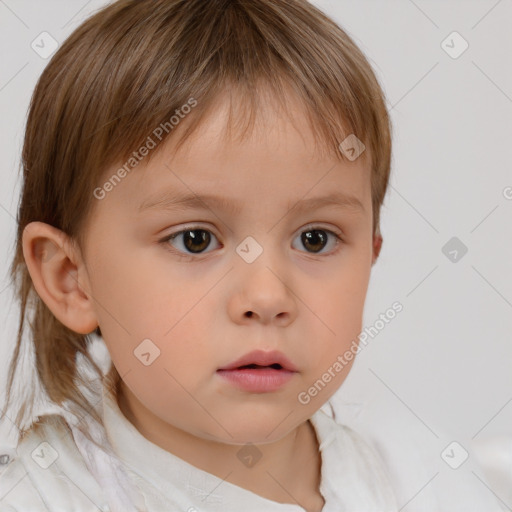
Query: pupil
[
  {"x": 314, "y": 238},
  {"x": 196, "y": 240}
]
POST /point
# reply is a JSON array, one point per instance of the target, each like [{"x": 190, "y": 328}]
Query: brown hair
[{"x": 126, "y": 70}]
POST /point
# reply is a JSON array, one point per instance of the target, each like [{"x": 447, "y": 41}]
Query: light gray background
[{"x": 445, "y": 360}]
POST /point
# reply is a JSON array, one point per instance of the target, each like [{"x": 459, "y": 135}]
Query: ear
[
  {"x": 59, "y": 275},
  {"x": 377, "y": 245}
]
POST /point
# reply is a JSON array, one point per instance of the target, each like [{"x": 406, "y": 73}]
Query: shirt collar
[{"x": 344, "y": 479}]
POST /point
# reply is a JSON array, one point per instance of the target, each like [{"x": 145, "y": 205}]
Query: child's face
[{"x": 195, "y": 307}]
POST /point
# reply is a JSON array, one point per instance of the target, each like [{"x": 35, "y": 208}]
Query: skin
[{"x": 194, "y": 307}]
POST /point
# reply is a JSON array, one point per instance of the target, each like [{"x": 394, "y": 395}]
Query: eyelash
[{"x": 191, "y": 257}]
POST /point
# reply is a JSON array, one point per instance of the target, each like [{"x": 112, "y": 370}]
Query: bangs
[{"x": 134, "y": 69}]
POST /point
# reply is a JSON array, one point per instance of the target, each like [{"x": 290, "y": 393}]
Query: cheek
[
  {"x": 338, "y": 305},
  {"x": 140, "y": 292},
  {"x": 336, "y": 332},
  {"x": 340, "y": 297},
  {"x": 162, "y": 329}
]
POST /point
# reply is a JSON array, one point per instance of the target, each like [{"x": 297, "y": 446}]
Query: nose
[{"x": 262, "y": 294}]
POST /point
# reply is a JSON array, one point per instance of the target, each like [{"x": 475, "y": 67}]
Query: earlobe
[
  {"x": 54, "y": 264},
  {"x": 377, "y": 245}
]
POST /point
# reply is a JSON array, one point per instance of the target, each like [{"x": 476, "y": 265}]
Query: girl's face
[{"x": 250, "y": 260}]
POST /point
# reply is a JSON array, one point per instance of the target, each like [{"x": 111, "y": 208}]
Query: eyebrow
[{"x": 174, "y": 201}]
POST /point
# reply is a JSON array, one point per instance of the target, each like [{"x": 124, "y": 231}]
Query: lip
[
  {"x": 262, "y": 358},
  {"x": 259, "y": 380},
  {"x": 264, "y": 380}
]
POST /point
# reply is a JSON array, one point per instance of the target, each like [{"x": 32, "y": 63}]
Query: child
[{"x": 256, "y": 130}]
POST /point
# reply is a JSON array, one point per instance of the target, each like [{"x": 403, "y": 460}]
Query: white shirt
[
  {"x": 49, "y": 473},
  {"x": 429, "y": 473},
  {"x": 389, "y": 465}
]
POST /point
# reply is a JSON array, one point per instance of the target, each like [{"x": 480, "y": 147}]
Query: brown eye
[
  {"x": 191, "y": 241},
  {"x": 196, "y": 240},
  {"x": 315, "y": 240}
]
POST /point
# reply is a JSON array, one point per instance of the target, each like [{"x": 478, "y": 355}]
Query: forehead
[
  {"x": 278, "y": 157},
  {"x": 235, "y": 120},
  {"x": 265, "y": 113},
  {"x": 234, "y": 124},
  {"x": 278, "y": 146}
]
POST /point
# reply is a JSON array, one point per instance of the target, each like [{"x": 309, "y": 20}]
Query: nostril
[{"x": 249, "y": 314}]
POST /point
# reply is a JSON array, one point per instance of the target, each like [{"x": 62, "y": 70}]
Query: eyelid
[
  {"x": 321, "y": 225},
  {"x": 191, "y": 226},
  {"x": 311, "y": 226},
  {"x": 184, "y": 255}
]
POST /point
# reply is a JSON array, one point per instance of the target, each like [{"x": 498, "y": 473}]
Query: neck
[{"x": 288, "y": 470}]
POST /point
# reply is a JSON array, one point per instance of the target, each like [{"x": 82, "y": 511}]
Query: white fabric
[
  {"x": 412, "y": 449},
  {"x": 494, "y": 454},
  {"x": 353, "y": 477},
  {"x": 397, "y": 467}
]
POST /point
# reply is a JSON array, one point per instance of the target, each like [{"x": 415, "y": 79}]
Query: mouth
[
  {"x": 275, "y": 366},
  {"x": 260, "y": 360},
  {"x": 255, "y": 378}
]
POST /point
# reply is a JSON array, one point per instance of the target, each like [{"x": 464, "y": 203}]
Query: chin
[{"x": 258, "y": 430}]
